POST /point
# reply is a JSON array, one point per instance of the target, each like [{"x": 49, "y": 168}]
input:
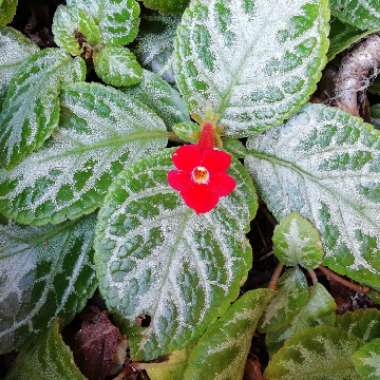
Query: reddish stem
[
  {"x": 340, "y": 280},
  {"x": 275, "y": 277}
]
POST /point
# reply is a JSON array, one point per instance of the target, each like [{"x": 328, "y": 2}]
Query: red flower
[{"x": 201, "y": 175}]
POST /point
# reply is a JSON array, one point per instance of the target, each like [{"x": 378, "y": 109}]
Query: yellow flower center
[{"x": 200, "y": 175}]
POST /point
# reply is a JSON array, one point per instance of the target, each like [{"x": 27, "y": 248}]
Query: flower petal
[
  {"x": 222, "y": 184},
  {"x": 186, "y": 157},
  {"x": 216, "y": 160},
  {"x": 200, "y": 198},
  {"x": 179, "y": 180}
]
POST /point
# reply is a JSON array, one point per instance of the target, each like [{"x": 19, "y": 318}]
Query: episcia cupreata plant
[{"x": 169, "y": 239}]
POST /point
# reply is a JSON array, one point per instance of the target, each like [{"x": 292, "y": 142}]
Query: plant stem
[
  {"x": 313, "y": 276},
  {"x": 340, "y": 280},
  {"x": 275, "y": 276}
]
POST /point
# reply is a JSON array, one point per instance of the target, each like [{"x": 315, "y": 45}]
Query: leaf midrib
[
  {"x": 316, "y": 180},
  {"x": 115, "y": 141},
  {"x": 36, "y": 240}
]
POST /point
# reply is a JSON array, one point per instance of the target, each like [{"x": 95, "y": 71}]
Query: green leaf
[
  {"x": 117, "y": 66},
  {"x": 155, "y": 44},
  {"x": 68, "y": 22},
  {"x": 254, "y": 63},
  {"x": 363, "y": 15},
  {"x": 7, "y": 11},
  {"x": 222, "y": 352},
  {"x": 375, "y": 115},
  {"x": 119, "y": 21},
  {"x": 92, "y": 7},
  {"x": 324, "y": 163},
  {"x": 188, "y": 131},
  {"x": 367, "y": 360},
  {"x": 157, "y": 257},
  {"x": 46, "y": 359},
  {"x": 343, "y": 36},
  {"x": 291, "y": 296},
  {"x": 21, "y": 47},
  {"x": 163, "y": 99},
  {"x": 31, "y": 107},
  {"x": 297, "y": 242},
  {"x": 235, "y": 147},
  {"x": 101, "y": 131},
  {"x": 171, "y": 369},
  {"x": 318, "y": 310},
  {"x": 45, "y": 273},
  {"x": 318, "y": 353},
  {"x": 364, "y": 323},
  {"x": 166, "y": 6}
]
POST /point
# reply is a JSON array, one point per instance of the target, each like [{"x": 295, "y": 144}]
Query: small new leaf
[
  {"x": 117, "y": 66},
  {"x": 297, "y": 242},
  {"x": 48, "y": 358},
  {"x": 319, "y": 309},
  {"x": 157, "y": 257},
  {"x": 291, "y": 296},
  {"x": 69, "y": 23}
]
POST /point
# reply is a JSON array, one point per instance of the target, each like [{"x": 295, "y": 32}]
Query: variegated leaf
[
  {"x": 101, "y": 131},
  {"x": 14, "y": 49},
  {"x": 363, "y": 323},
  {"x": 31, "y": 107},
  {"x": 325, "y": 164},
  {"x": 362, "y": 14},
  {"x": 254, "y": 63},
  {"x": 90, "y": 6},
  {"x": 297, "y": 242},
  {"x": 68, "y": 22},
  {"x": 319, "y": 309},
  {"x": 7, "y": 11},
  {"x": 222, "y": 351},
  {"x": 157, "y": 257},
  {"x": 119, "y": 21},
  {"x": 318, "y": 353},
  {"x": 166, "y": 6},
  {"x": 45, "y": 273},
  {"x": 367, "y": 360},
  {"x": 117, "y": 66},
  {"x": 48, "y": 358},
  {"x": 155, "y": 44},
  {"x": 291, "y": 296},
  {"x": 161, "y": 98},
  {"x": 343, "y": 36}
]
